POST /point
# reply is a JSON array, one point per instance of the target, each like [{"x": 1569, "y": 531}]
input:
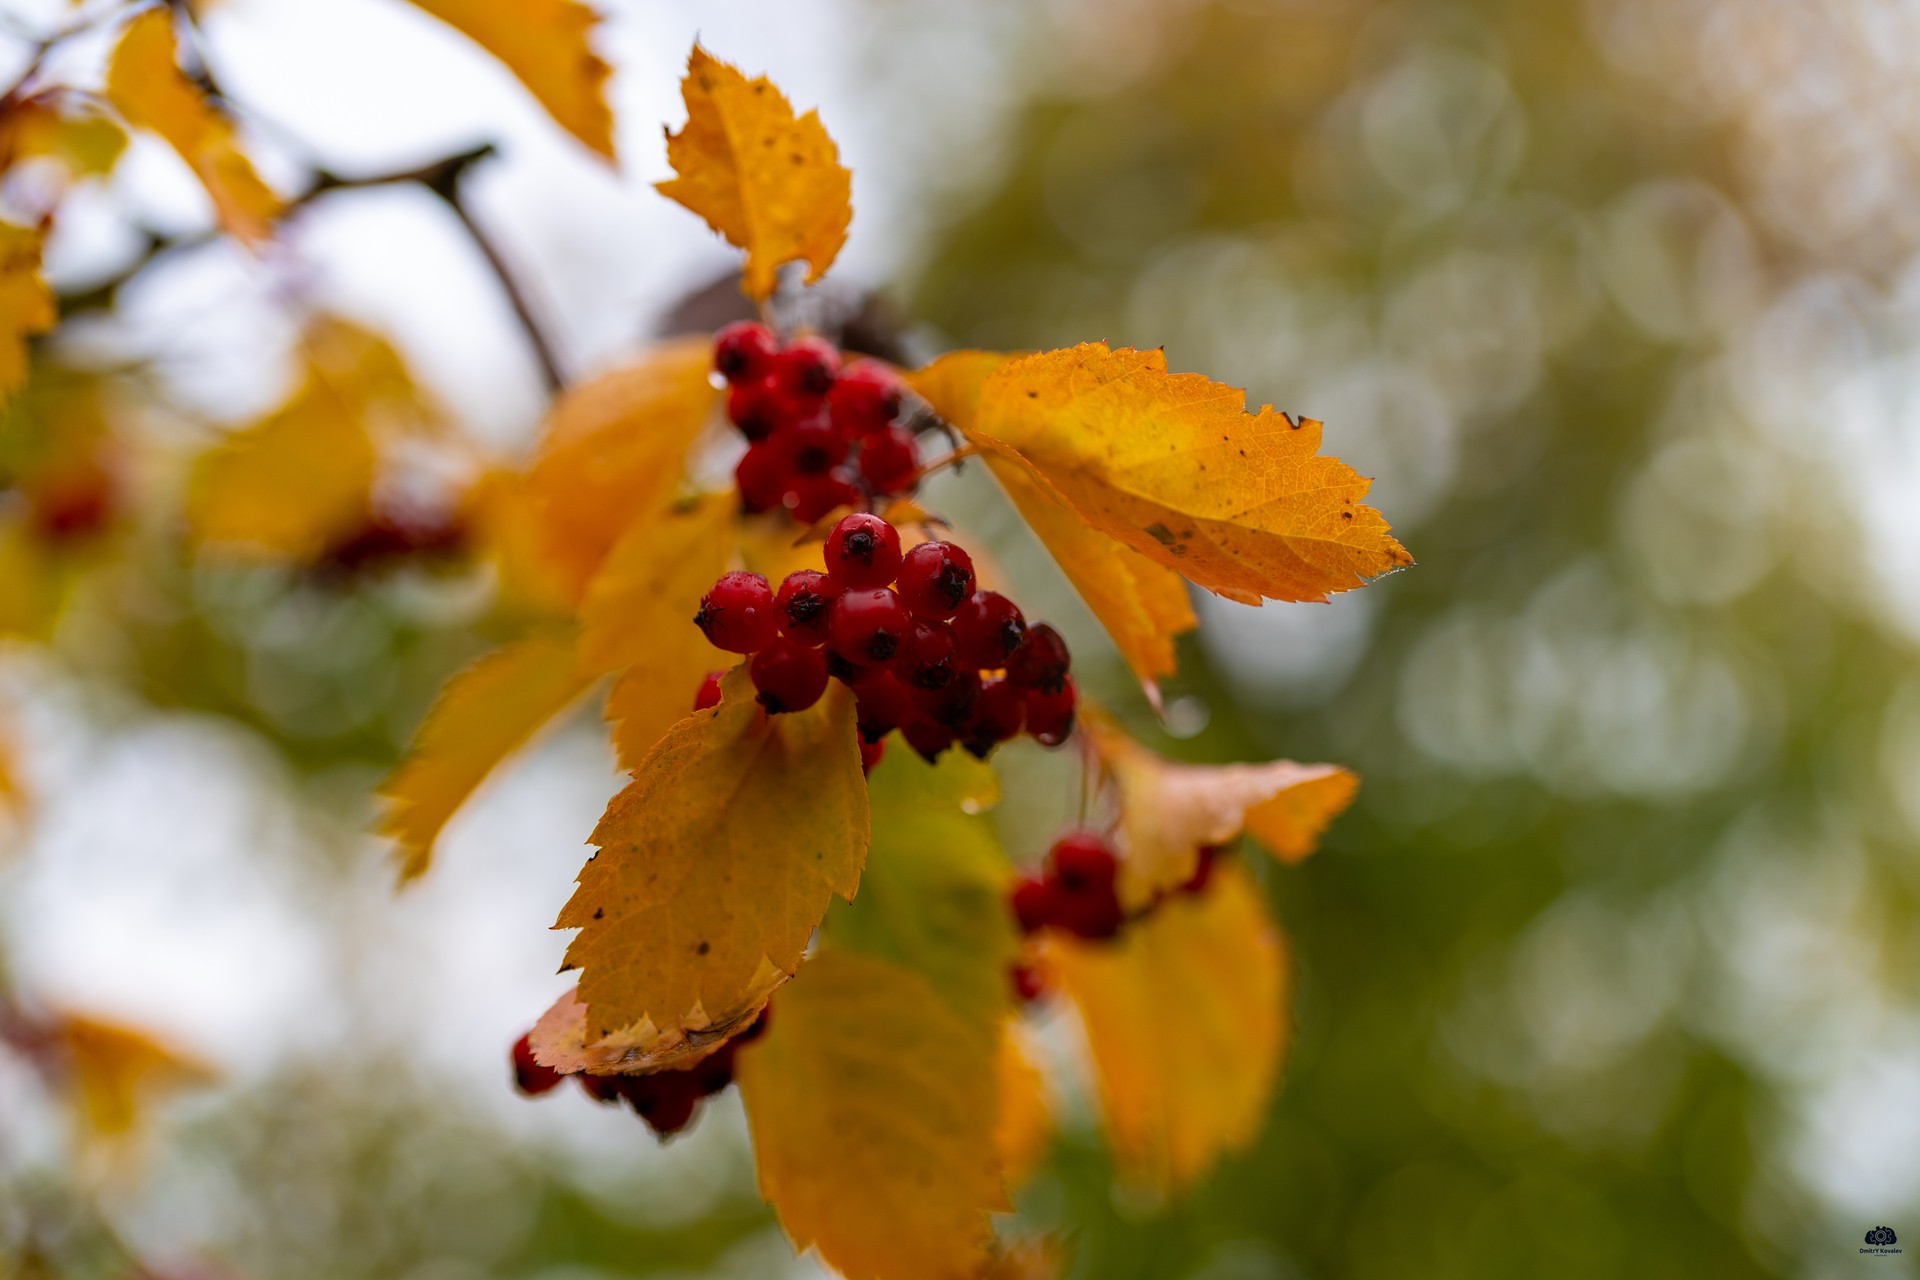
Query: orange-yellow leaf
[
  {"x": 638, "y": 616},
  {"x": 1185, "y": 1018},
  {"x": 118, "y": 1071},
  {"x": 717, "y": 861},
  {"x": 559, "y": 1041},
  {"x": 866, "y": 1099},
  {"x": 769, "y": 182},
  {"x": 72, "y": 133},
  {"x": 613, "y": 450},
  {"x": 26, "y": 304},
  {"x": 147, "y": 88},
  {"x": 1168, "y": 811},
  {"x": 483, "y": 715},
  {"x": 547, "y": 44},
  {"x": 1175, "y": 467},
  {"x": 1024, "y": 1121}
]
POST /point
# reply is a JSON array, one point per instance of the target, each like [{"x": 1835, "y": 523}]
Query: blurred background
[{"x": 1612, "y": 969}]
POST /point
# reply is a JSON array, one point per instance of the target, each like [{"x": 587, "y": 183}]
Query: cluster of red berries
[
  {"x": 819, "y": 436},
  {"x": 666, "y": 1100},
  {"x": 923, "y": 651}
]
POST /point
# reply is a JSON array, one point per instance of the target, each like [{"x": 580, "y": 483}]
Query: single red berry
[
  {"x": 738, "y": 614},
  {"x": 529, "y": 1077},
  {"x": 709, "y": 693},
  {"x": 813, "y": 444},
  {"x": 890, "y": 461},
  {"x": 804, "y": 601},
  {"x": 865, "y": 399},
  {"x": 812, "y": 497},
  {"x": 951, "y": 704},
  {"x": 881, "y": 703},
  {"x": 926, "y": 659},
  {"x": 935, "y": 580},
  {"x": 762, "y": 476},
  {"x": 866, "y": 626},
  {"x": 1028, "y": 985},
  {"x": 1050, "y": 715},
  {"x": 988, "y": 630},
  {"x": 997, "y": 715},
  {"x": 808, "y": 368},
  {"x": 1094, "y": 913},
  {"x": 603, "y": 1088},
  {"x": 926, "y": 737},
  {"x": 757, "y": 406},
  {"x": 1202, "y": 868},
  {"x": 664, "y": 1099},
  {"x": 1042, "y": 662},
  {"x": 1079, "y": 861},
  {"x": 789, "y": 676},
  {"x": 863, "y": 551},
  {"x": 743, "y": 349},
  {"x": 1033, "y": 904},
  {"x": 870, "y": 753}
]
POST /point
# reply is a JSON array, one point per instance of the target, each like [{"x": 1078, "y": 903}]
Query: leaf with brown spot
[
  {"x": 547, "y": 44},
  {"x": 559, "y": 1041},
  {"x": 769, "y": 182},
  {"x": 718, "y": 859}
]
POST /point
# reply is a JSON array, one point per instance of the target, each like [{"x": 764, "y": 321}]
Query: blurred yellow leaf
[
  {"x": 26, "y": 304},
  {"x": 559, "y": 1041},
  {"x": 772, "y": 184},
  {"x": 638, "y": 618},
  {"x": 119, "y": 1071},
  {"x": 146, "y": 87},
  {"x": 31, "y": 583},
  {"x": 66, "y": 129},
  {"x": 1185, "y": 1018},
  {"x": 613, "y": 449},
  {"x": 1174, "y": 466},
  {"x": 1024, "y": 1122},
  {"x": 547, "y": 44},
  {"x": 866, "y": 1100},
  {"x": 717, "y": 862},
  {"x": 483, "y": 715},
  {"x": 1168, "y": 811}
]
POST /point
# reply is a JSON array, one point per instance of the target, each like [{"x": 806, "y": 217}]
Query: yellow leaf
[
  {"x": 71, "y": 132},
  {"x": 1024, "y": 1123},
  {"x": 32, "y": 587},
  {"x": 1168, "y": 811},
  {"x": 483, "y": 715},
  {"x": 146, "y": 87},
  {"x": 770, "y": 183},
  {"x": 26, "y": 304},
  {"x": 1174, "y": 466},
  {"x": 1185, "y": 1019},
  {"x": 117, "y": 1071},
  {"x": 559, "y": 1042},
  {"x": 547, "y": 45},
  {"x": 717, "y": 862},
  {"x": 613, "y": 449},
  {"x": 638, "y": 615},
  {"x": 865, "y": 1099}
]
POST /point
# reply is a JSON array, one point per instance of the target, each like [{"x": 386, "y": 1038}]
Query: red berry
[
  {"x": 804, "y": 601},
  {"x": 738, "y": 614},
  {"x": 529, "y": 1077},
  {"x": 789, "y": 676},
  {"x": 1028, "y": 985},
  {"x": 1079, "y": 861},
  {"x": 927, "y": 737},
  {"x": 1042, "y": 662},
  {"x": 935, "y": 579},
  {"x": 870, "y": 753},
  {"x": 811, "y": 497},
  {"x": 1050, "y": 715},
  {"x": 762, "y": 476},
  {"x": 664, "y": 1099},
  {"x": 846, "y": 672},
  {"x": 1094, "y": 914},
  {"x": 997, "y": 716},
  {"x": 881, "y": 703},
  {"x": 757, "y": 407},
  {"x": 866, "y": 626},
  {"x": 603, "y": 1088},
  {"x": 890, "y": 461},
  {"x": 807, "y": 368},
  {"x": 814, "y": 445},
  {"x": 926, "y": 659},
  {"x": 1033, "y": 904},
  {"x": 742, "y": 350},
  {"x": 865, "y": 399},
  {"x": 755, "y": 1029},
  {"x": 709, "y": 694},
  {"x": 952, "y": 704},
  {"x": 988, "y": 629},
  {"x": 863, "y": 551}
]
